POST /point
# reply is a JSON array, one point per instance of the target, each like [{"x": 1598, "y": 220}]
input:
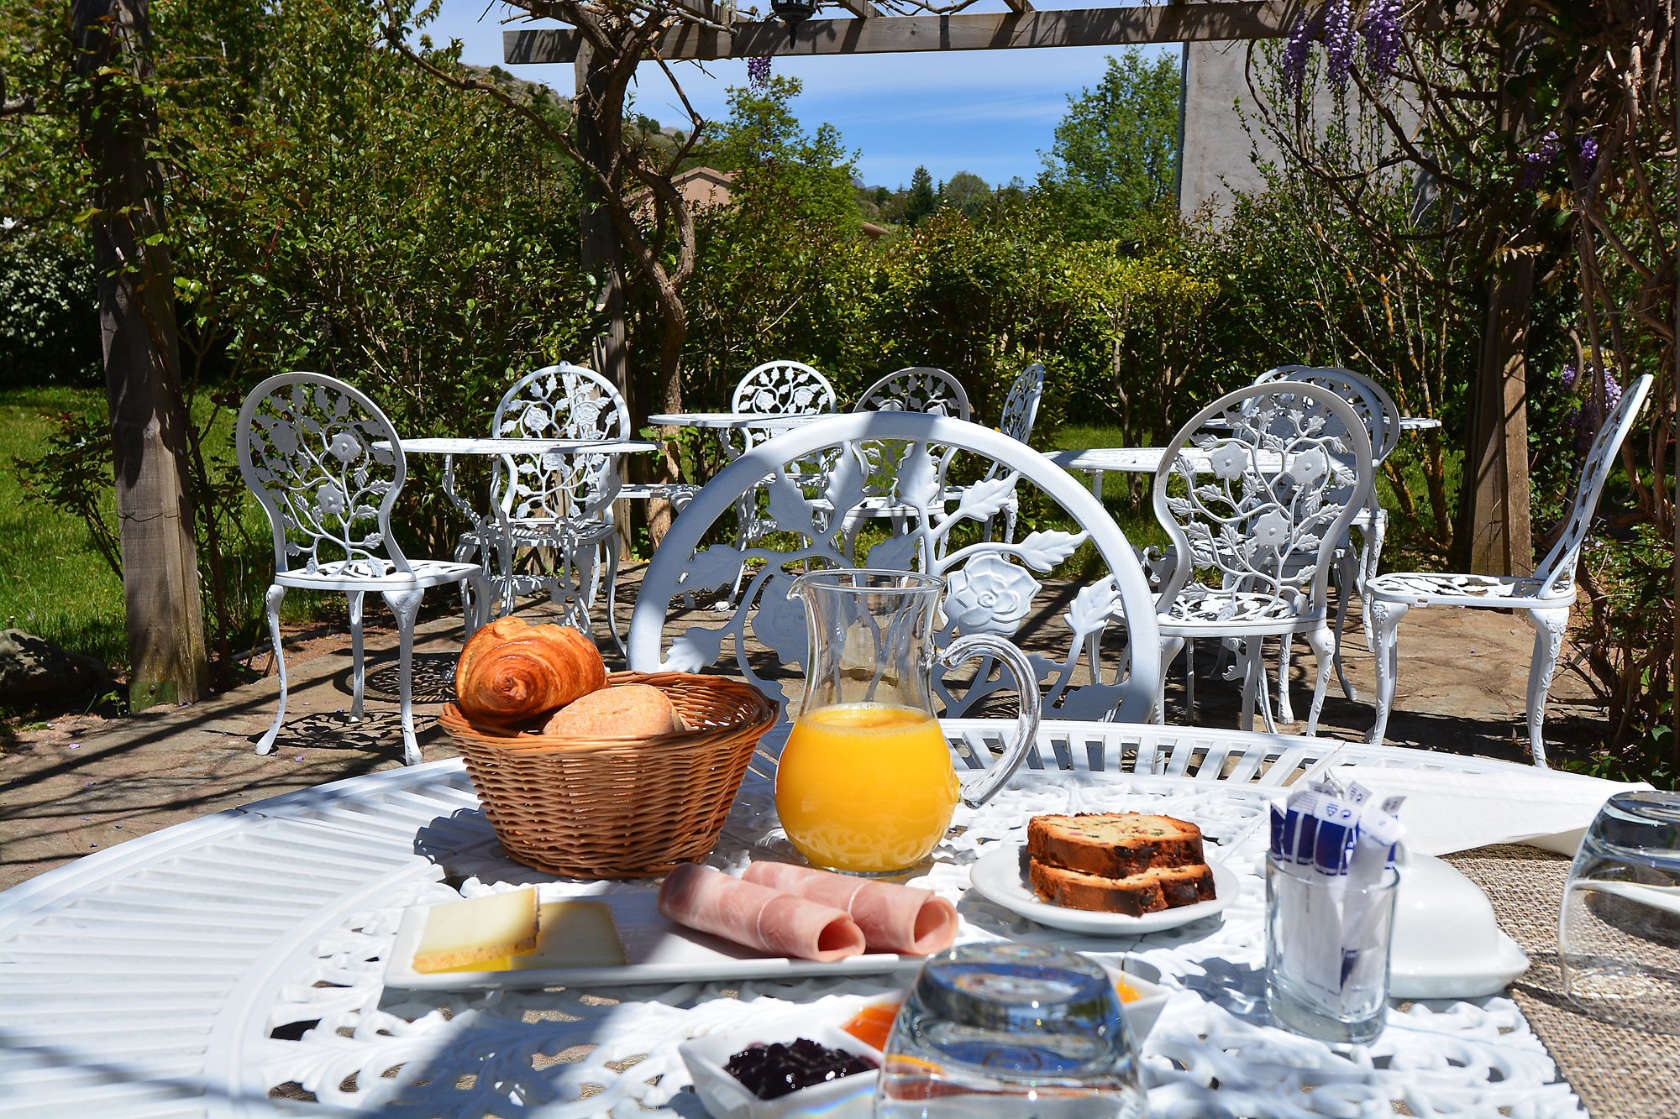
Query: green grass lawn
[{"x": 53, "y": 582}]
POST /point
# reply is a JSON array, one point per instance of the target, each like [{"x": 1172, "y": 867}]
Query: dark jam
[{"x": 771, "y": 1071}]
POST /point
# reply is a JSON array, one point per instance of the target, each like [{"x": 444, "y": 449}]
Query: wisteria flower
[{"x": 989, "y": 594}]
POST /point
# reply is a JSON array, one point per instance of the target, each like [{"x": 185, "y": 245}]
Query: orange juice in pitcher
[
  {"x": 865, "y": 786},
  {"x": 865, "y": 783}
]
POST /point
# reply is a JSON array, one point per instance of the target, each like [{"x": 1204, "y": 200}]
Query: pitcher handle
[{"x": 979, "y": 789}]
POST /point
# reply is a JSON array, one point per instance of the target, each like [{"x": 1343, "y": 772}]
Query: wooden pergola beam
[{"x": 1231, "y": 20}]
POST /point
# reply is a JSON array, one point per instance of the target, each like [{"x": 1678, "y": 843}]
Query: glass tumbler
[
  {"x": 1327, "y": 952},
  {"x": 1010, "y": 1030},
  {"x": 1619, "y": 928}
]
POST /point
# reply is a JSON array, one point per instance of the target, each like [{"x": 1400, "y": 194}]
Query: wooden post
[
  {"x": 142, "y": 357},
  {"x": 1495, "y": 531},
  {"x": 603, "y": 256}
]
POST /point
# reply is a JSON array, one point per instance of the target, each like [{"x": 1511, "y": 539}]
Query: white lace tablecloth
[{"x": 208, "y": 968}]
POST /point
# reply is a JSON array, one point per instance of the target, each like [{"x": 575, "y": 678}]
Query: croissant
[{"x": 511, "y": 671}]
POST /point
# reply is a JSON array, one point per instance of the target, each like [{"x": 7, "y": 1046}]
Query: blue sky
[{"x": 989, "y": 112}]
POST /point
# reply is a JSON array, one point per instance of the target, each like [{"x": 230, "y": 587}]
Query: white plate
[
  {"x": 657, "y": 951},
  {"x": 997, "y": 877}
]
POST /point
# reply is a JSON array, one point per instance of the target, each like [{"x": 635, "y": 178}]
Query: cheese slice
[
  {"x": 477, "y": 931},
  {"x": 569, "y": 934}
]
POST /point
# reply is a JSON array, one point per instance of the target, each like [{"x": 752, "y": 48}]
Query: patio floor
[{"x": 82, "y": 783}]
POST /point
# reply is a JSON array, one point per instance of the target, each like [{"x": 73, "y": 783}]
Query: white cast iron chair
[
  {"x": 776, "y": 388},
  {"x": 1544, "y": 598},
  {"x": 325, "y": 463},
  {"x": 1020, "y": 410},
  {"x": 1353, "y": 566},
  {"x": 560, "y": 502},
  {"x": 561, "y": 401},
  {"x": 1257, "y": 490},
  {"x": 917, "y": 388},
  {"x": 992, "y": 587}
]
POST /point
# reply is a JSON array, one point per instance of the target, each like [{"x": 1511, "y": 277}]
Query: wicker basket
[{"x": 625, "y": 807}]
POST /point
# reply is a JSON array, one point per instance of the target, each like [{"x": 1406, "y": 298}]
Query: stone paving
[{"x": 82, "y": 783}]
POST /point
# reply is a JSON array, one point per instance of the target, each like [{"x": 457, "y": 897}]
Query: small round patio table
[
  {"x": 580, "y": 529},
  {"x": 1096, "y": 461},
  {"x": 231, "y": 964}
]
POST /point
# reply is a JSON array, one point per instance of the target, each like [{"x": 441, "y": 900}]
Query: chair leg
[
  {"x": 1348, "y": 584},
  {"x": 1549, "y": 628},
  {"x": 1251, "y": 665},
  {"x": 1373, "y": 556},
  {"x": 358, "y": 673},
  {"x": 1257, "y": 669},
  {"x": 1385, "y": 628},
  {"x": 1190, "y": 679},
  {"x": 406, "y": 606},
  {"x": 1324, "y": 648},
  {"x": 1285, "y": 711},
  {"x": 265, "y": 744},
  {"x": 612, "y": 598},
  {"x": 469, "y": 607},
  {"x": 1169, "y": 650}
]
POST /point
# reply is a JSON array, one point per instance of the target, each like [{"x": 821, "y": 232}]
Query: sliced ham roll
[
  {"x": 893, "y": 918},
  {"x": 756, "y": 916}
]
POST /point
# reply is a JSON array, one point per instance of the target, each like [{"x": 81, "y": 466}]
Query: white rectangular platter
[{"x": 656, "y": 950}]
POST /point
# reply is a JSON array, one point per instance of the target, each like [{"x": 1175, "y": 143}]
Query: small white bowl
[
  {"x": 1141, "y": 1012},
  {"x": 852, "y": 1097}
]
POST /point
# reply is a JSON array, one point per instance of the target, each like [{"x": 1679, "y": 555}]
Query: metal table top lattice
[{"x": 209, "y": 967}]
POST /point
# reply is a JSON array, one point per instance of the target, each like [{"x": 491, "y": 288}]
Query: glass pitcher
[{"x": 865, "y": 783}]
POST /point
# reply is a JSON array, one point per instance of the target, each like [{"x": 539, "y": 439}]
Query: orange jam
[
  {"x": 1126, "y": 992},
  {"x": 873, "y": 1023}
]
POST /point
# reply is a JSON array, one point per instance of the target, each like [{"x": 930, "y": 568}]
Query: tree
[
  {"x": 1116, "y": 151},
  {"x": 113, "y": 42},
  {"x": 921, "y": 201},
  {"x": 965, "y": 191}
]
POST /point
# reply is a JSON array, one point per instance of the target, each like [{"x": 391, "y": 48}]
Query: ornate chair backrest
[
  {"x": 558, "y": 402},
  {"x": 991, "y": 589},
  {"x": 323, "y": 461},
  {"x": 1557, "y": 570},
  {"x": 917, "y": 388},
  {"x": 1020, "y": 407},
  {"x": 1369, "y": 399},
  {"x": 1261, "y": 485},
  {"x": 779, "y": 388}
]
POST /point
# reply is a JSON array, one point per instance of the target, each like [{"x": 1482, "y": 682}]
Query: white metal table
[
  {"x": 1096, "y": 461},
  {"x": 736, "y": 421},
  {"x": 206, "y": 968}
]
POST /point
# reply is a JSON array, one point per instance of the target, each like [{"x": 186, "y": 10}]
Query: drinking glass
[
  {"x": 1327, "y": 952},
  {"x": 1010, "y": 1030},
  {"x": 1619, "y": 927}
]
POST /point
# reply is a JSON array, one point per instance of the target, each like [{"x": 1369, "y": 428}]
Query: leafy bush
[{"x": 49, "y": 329}]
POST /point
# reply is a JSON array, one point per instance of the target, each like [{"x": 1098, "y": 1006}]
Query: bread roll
[
  {"x": 510, "y": 671},
  {"x": 625, "y": 711}
]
